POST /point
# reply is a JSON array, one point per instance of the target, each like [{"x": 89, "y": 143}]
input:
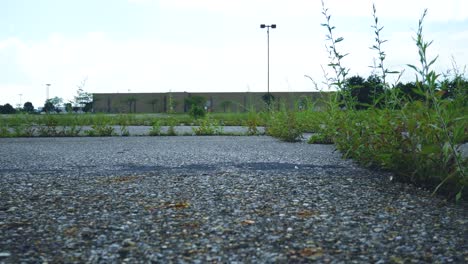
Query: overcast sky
[{"x": 206, "y": 45}]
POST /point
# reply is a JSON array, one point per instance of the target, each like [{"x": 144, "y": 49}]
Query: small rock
[
  {"x": 101, "y": 239},
  {"x": 12, "y": 209},
  {"x": 87, "y": 233},
  {"x": 128, "y": 243},
  {"x": 4, "y": 254},
  {"x": 114, "y": 248}
]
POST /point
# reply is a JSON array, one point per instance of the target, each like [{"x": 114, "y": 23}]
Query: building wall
[{"x": 215, "y": 102}]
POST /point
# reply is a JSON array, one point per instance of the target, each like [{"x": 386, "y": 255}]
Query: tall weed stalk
[
  {"x": 415, "y": 139},
  {"x": 429, "y": 84}
]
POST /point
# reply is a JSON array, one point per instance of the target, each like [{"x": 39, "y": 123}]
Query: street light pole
[
  {"x": 268, "y": 58},
  {"x": 47, "y": 91}
]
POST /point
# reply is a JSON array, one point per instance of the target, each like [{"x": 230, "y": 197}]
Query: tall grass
[{"x": 417, "y": 140}]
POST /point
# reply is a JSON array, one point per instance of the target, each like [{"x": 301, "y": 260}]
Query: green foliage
[
  {"x": 171, "y": 104},
  {"x": 53, "y": 104},
  {"x": 196, "y": 106},
  {"x": 320, "y": 138},
  {"x": 155, "y": 128},
  {"x": 284, "y": 126},
  {"x": 48, "y": 126},
  {"x": 68, "y": 107},
  {"x": 48, "y": 107},
  {"x": 253, "y": 122},
  {"x": 197, "y": 112},
  {"x": 418, "y": 129},
  {"x": 100, "y": 128},
  {"x": 172, "y": 122},
  {"x": 207, "y": 128},
  {"x": 365, "y": 92},
  {"x": 7, "y": 109},
  {"x": 28, "y": 107},
  {"x": 83, "y": 99},
  {"x": 4, "y": 131},
  {"x": 336, "y": 62},
  {"x": 124, "y": 131},
  {"x": 268, "y": 98},
  {"x": 21, "y": 127}
]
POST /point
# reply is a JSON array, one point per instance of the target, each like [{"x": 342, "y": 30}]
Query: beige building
[{"x": 215, "y": 102}]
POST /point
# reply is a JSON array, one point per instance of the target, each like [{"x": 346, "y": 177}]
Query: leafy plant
[
  {"x": 429, "y": 82},
  {"x": 124, "y": 131},
  {"x": 283, "y": 125},
  {"x": 415, "y": 136},
  {"x": 49, "y": 126},
  {"x": 171, "y": 129},
  {"x": 336, "y": 61},
  {"x": 207, "y": 128},
  {"x": 252, "y": 123},
  {"x": 4, "y": 131},
  {"x": 100, "y": 130},
  {"x": 155, "y": 128}
]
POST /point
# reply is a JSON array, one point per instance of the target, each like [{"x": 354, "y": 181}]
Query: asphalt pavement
[{"x": 213, "y": 199}]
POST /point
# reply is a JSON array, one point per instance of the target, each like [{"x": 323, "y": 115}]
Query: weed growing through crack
[
  {"x": 155, "y": 128},
  {"x": 415, "y": 138},
  {"x": 207, "y": 127}
]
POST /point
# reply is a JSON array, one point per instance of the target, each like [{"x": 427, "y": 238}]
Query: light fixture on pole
[
  {"x": 268, "y": 58},
  {"x": 47, "y": 91}
]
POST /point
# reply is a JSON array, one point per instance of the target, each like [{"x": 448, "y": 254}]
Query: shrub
[
  {"x": 284, "y": 126},
  {"x": 252, "y": 123},
  {"x": 207, "y": 128},
  {"x": 155, "y": 128}
]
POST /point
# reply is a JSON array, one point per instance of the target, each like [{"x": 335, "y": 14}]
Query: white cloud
[
  {"x": 109, "y": 65},
  {"x": 233, "y": 61}
]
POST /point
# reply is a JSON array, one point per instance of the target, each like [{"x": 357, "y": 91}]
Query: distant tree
[
  {"x": 7, "y": 109},
  {"x": 57, "y": 103},
  {"x": 82, "y": 98},
  {"x": 28, "y": 107},
  {"x": 456, "y": 87},
  {"x": 68, "y": 107},
  {"x": 376, "y": 90},
  {"x": 48, "y": 107},
  {"x": 365, "y": 92},
  {"x": 409, "y": 91},
  {"x": 88, "y": 107}
]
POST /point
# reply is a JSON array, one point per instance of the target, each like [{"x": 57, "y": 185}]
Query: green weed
[
  {"x": 155, "y": 129},
  {"x": 207, "y": 128},
  {"x": 284, "y": 125}
]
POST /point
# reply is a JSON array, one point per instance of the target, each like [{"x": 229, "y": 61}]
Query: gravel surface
[{"x": 213, "y": 199}]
